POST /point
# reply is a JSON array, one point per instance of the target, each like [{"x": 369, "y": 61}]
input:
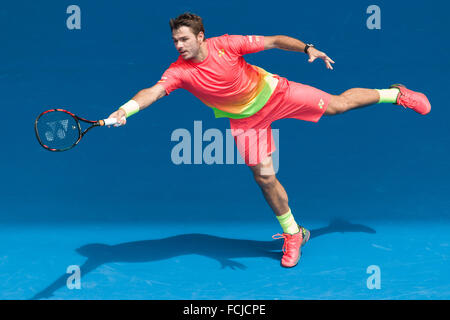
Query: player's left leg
[
  {"x": 358, "y": 97},
  {"x": 352, "y": 99}
]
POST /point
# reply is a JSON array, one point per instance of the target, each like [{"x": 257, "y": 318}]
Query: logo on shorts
[{"x": 321, "y": 103}]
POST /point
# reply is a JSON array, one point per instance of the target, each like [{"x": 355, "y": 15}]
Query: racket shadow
[{"x": 223, "y": 250}]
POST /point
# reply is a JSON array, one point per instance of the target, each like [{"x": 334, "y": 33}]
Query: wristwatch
[{"x": 307, "y": 47}]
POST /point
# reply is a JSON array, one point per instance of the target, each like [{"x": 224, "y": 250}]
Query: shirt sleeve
[
  {"x": 246, "y": 44},
  {"x": 171, "y": 79}
]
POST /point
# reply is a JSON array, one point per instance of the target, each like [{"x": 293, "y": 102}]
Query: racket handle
[{"x": 108, "y": 122}]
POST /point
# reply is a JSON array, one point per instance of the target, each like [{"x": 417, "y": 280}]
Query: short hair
[{"x": 190, "y": 20}]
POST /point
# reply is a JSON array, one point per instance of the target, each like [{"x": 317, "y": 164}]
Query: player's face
[{"x": 186, "y": 43}]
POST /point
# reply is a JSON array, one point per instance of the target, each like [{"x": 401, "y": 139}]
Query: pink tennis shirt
[{"x": 224, "y": 81}]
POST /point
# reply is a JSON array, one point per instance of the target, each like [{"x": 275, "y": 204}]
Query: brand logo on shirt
[
  {"x": 250, "y": 38},
  {"x": 221, "y": 52},
  {"x": 163, "y": 79},
  {"x": 321, "y": 103}
]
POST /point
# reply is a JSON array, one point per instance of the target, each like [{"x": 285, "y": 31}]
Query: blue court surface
[{"x": 372, "y": 184}]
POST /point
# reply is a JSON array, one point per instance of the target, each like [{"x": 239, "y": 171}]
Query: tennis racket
[{"x": 60, "y": 130}]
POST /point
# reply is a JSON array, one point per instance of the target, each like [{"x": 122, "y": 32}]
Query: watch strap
[{"x": 307, "y": 47}]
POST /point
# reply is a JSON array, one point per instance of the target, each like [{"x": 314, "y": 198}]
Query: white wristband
[{"x": 130, "y": 108}]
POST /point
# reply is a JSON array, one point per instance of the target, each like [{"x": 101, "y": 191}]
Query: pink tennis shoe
[
  {"x": 413, "y": 100},
  {"x": 292, "y": 246}
]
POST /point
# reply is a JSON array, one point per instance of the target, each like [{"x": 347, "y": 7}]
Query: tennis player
[{"x": 214, "y": 70}]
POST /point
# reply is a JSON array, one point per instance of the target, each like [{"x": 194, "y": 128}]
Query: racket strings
[{"x": 57, "y": 130}]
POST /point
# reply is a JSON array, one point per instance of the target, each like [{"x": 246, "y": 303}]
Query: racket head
[{"x": 57, "y": 130}]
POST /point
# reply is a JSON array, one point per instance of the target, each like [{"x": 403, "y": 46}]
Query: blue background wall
[
  {"x": 118, "y": 207},
  {"x": 382, "y": 162}
]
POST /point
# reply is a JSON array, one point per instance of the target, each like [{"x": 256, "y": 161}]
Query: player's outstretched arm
[
  {"x": 140, "y": 101},
  {"x": 292, "y": 44}
]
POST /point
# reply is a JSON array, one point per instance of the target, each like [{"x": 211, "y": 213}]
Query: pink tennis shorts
[{"x": 253, "y": 135}]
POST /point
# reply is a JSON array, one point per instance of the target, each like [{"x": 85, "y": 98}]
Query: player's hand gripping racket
[{"x": 60, "y": 130}]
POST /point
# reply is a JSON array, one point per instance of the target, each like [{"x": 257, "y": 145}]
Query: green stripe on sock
[
  {"x": 288, "y": 223},
  {"x": 388, "y": 95}
]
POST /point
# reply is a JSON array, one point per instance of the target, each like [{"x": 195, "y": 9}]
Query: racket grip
[{"x": 108, "y": 122}]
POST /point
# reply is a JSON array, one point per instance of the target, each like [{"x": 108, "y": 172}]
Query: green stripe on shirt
[{"x": 257, "y": 104}]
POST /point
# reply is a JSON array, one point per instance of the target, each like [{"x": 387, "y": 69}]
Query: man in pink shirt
[{"x": 215, "y": 71}]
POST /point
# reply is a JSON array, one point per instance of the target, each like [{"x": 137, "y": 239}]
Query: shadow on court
[{"x": 217, "y": 248}]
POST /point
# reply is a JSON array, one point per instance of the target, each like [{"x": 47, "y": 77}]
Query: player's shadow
[{"x": 217, "y": 248}]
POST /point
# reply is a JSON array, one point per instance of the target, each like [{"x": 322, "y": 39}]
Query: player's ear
[{"x": 201, "y": 36}]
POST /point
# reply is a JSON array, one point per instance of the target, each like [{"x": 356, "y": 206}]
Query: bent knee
[
  {"x": 265, "y": 181},
  {"x": 337, "y": 105}
]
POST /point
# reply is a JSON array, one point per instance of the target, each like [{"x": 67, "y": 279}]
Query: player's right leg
[{"x": 294, "y": 236}]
